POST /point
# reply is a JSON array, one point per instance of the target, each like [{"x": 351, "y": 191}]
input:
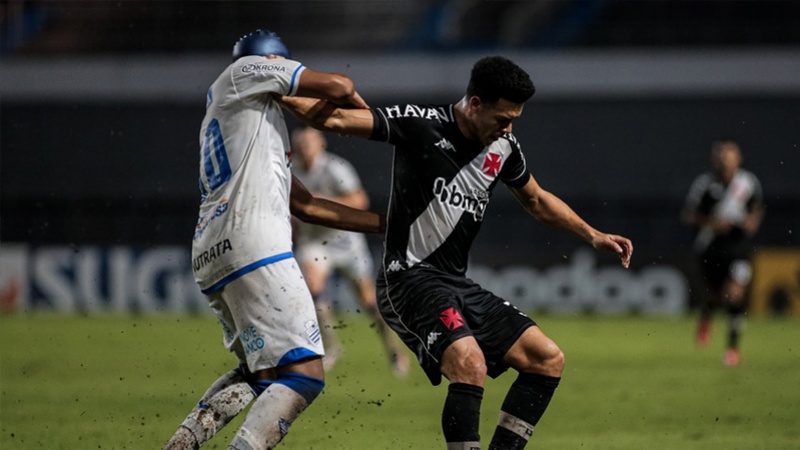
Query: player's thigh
[{"x": 274, "y": 317}]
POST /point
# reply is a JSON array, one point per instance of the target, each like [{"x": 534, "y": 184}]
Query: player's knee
[
  {"x": 307, "y": 386},
  {"x": 555, "y": 363},
  {"x": 469, "y": 368}
]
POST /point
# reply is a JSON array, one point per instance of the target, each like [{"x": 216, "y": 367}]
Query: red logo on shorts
[{"x": 451, "y": 318}]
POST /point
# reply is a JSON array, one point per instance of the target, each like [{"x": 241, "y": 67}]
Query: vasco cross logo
[
  {"x": 451, "y": 318},
  {"x": 491, "y": 165}
]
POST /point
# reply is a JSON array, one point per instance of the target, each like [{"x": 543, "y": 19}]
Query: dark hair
[
  {"x": 496, "y": 77},
  {"x": 719, "y": 142}
]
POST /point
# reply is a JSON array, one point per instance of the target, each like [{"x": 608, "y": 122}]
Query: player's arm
[
  {"x": 357, "y": 199},
  {"x": 336, "y": 88},
  {"x": 549, "y": 209},
  {"x": 327, "y": 116},
  {"x": 328, "y": 213}
]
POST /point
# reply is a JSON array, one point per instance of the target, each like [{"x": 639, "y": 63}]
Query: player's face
[
  {"x": 308, "y": 144},
  {"x": 492, "y": 120},
  {"x": 727, "y": 159}
]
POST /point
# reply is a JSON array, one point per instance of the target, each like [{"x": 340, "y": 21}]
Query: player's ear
[{"x": 474, "y": 103}]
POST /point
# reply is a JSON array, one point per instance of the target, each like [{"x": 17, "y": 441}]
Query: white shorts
[
  {"x": 349, "y": 254},
  {"x": 268, "y": 318}
]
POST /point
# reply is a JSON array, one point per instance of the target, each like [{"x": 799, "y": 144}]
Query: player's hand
[
  {"x": 613, "y": 243},
  {"x": 355, "y": 101}
]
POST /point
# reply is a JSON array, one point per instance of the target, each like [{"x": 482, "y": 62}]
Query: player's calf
[
  {"x": 225, "y": 399},
  {"x": 277, "y": 406}
]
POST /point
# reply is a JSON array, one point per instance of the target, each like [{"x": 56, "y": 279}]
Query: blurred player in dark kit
[
  {"x": 447, "y": 161},
  {"x": 725, "y": 206},
  {"x": 242, "y": 246}
]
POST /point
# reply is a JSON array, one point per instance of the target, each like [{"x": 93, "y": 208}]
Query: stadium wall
[{"x": 98, "y": 162}]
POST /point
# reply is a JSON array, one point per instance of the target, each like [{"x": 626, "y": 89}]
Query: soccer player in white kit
[
  {"x": 321, "y": 251},
  {"x": 242, "y": 248}
]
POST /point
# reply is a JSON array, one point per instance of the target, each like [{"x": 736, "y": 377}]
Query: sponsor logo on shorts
[
  {"x": 251, "y": 340},
  {"x": 451, "y": 318},
  {"x": 313, "y": 332},
  {"x": 432, "y": 337}
]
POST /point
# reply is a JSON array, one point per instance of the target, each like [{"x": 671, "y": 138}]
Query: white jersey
[
  {"x": 245, "y": 178},
  {"x": 331, "y": 176}
]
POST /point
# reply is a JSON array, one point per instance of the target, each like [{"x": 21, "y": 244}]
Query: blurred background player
[
  {"x": 321, "y": 251},
  {"x": 242, "y": 247},
  {"x": 726, "y": 207}
]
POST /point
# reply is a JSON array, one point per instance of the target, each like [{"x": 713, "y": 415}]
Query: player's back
[{"x": 244, "y": 169}]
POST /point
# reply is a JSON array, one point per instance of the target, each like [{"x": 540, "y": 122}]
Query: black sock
[
  {"x": 736, "y": 318},
  {"x": 461, "y": 413},
  {"x": 525, "y": 403}
]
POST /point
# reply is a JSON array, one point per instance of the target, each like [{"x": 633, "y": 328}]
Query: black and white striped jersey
[{"x": 441, "y": 185}]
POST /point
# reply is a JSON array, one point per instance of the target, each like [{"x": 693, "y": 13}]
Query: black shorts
[
  {"x": 430, "y": 309},
  {"x": 718, "y": 260}
]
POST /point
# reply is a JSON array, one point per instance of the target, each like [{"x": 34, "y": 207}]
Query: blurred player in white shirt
[
  {"x": 242, "y": 248},
  {"x": 321, "y": 251}
]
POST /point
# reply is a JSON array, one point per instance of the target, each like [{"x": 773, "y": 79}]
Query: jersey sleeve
[
  {"x": 256, "y": 75},
  {"x": 696, "y": 192},
  {"x": 515, "y": 170},
  {"x": 391, "y": 124},
  {"x": 757, "y": 197}
]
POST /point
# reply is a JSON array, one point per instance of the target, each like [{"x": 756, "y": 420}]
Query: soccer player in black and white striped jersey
[
  {"x": 726, "y": 207},
  {"x": 447, "y": 160}
]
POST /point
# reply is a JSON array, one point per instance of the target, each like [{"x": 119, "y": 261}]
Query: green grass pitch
[{"x": 630, "y": 383}]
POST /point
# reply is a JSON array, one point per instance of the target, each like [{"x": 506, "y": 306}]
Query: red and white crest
[{"x": 492, "y": 163}]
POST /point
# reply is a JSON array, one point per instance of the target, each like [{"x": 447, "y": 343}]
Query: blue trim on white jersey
[
  {"x": 245, "y": 270},
  {"x": 294, "y": 79}
]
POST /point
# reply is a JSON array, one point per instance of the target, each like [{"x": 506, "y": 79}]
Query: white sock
[{"x": 269, "y": 419}]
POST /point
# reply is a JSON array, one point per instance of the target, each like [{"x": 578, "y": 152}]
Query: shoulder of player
[
  {"x": 260, "y": 67},
  {"x": 510, "y": 140}
]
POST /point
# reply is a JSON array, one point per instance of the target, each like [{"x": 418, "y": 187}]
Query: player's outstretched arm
[
  {"x": 328, "y": 213},
  {"x": 549, "y": 209},
  {"x": 327, "y": 116},
  {"x": 334, "y": 87}
]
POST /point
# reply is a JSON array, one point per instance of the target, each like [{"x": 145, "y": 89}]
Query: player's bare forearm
[
  {"x": 548, "y": 208},
  {"x": 335, "y": 215},
  {"x": 320, "y": 211},
  {"x": 327, "y": 116}
]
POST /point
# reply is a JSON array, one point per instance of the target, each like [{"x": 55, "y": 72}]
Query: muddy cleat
[{"x": 732, "y": 357}]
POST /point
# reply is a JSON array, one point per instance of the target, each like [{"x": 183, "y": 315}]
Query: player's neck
[{"x": 460, "y": 114}]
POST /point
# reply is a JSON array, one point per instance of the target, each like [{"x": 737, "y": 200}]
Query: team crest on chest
[{"x": 492, "y": 163}]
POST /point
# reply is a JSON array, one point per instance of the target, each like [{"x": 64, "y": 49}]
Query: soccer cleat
[
  {"x": 732, "y": 357},
  {"x": 703, "y": 333}
]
